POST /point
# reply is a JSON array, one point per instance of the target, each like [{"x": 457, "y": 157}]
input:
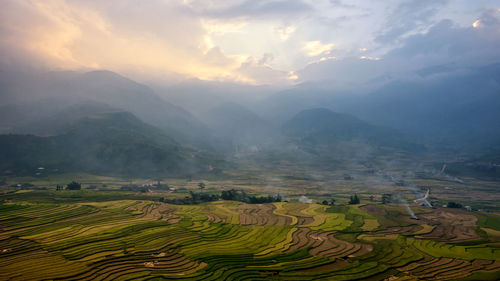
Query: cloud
[
  {"x": 249, "y": 8},
  {"x": 341, "y": 4},
  {"x": 444, "y": 44},
  {"x": 342, "y": 73},
  {"x": 285, "y": 31},
  {"x": 243, "y": 40},
  {"x": 258, "y": 70},
  {"x": 316, "y": 48},
  {"x": 407, "y": 17},
  {"x": 116, "y": 35}
]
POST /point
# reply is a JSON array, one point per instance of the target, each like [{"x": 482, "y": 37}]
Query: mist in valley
[{"x": 423, "y": 95}]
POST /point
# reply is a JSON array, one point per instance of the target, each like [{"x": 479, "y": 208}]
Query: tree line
[{"x": 233, "y": 195}]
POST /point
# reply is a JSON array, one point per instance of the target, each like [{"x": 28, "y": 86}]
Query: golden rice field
[{"x": 226, "y": 240}]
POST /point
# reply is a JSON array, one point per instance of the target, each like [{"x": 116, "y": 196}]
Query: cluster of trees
[
  {"x": 70, "y": 186},
  {"x": 332, "y": 202},
  {"x": 242, "y": 196},
  {"x": 386, "y": 198},
  {"x": 263, "y": 199},
  {"x": 354, "y": 199},
  {"x": 454, "y": 205},
  {"x": 234, "y": 195}
]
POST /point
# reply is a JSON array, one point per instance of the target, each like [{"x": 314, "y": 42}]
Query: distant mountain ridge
[
  {"x": 54, "y": 92},
  {"x": 456, "y": 109},
  {"x": 322, "y": 127}
]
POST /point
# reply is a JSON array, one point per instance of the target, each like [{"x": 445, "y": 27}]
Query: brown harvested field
[
  {"x": 334, "y": 248},
  {"x": 166, "y": 263},
  {"x": 261, "y": 214},
  {"x": 160, "y": 211},
  {"x": 304, "y": 220},
  {"x": 295, "y": 209},
  {"x": 449, "y": 225},
  {"x": 323, "y": 243},
  {"x": 446, "y": 268},
  {"x": 217, "y": 214},
  {"x": 374, "y": 210},
  {"x": 404, "y": 230},
  {"x": 300, "y": 239},
  {"x": 338, "y": 263},
  {"x": 214, "y": 218},
  {"x": 145, "y": 209}
]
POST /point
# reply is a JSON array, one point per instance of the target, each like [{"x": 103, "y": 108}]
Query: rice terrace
[{"x": 121, "y": 235}]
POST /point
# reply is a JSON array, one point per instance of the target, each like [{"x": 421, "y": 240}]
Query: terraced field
[{"x": 225, "y": 240}]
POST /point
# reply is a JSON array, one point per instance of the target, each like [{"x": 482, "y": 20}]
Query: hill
[
  {"x": 113, "y": 143},
  {"x": 26, "y": 103},
  {"x": 460, "y": 110},
  {"x": 323, "y": 131},
  {"x": 456, "y": 110}
]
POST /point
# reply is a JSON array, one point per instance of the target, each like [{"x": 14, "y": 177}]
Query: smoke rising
[{"x": 304, "y": 199}]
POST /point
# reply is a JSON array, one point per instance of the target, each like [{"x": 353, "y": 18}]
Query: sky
[{"x": 258, "y": 42}]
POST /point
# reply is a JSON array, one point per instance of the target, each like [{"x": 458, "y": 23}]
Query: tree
[
  {"x": 354, "y": 199},
  {"x": 59, "y": 187},
  {"x": 454, "y": 205},
  {"x": 74, "y": 186},
  {"x": 371, "y": 198},
  {"x": 332, "y": 202},
  {"x": 202, "y": 185},
  {"x": 324, "y": 202},
  {"x": 278, "y": 198},
  {"x": 229, "y": 194},
  {"x": 386, "y": 198}
]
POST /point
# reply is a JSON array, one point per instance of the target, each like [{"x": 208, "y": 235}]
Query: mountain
[
  {"x": 460, "y": 110},
  {"x": 455, "y": 109},
  {"x": 50, "y": 93},
  {"x": 321, "y": 130},
  {"x": 201, "y": 96},
  {"x": 113, "y": 143},
  {"x": 51, "y": 122}
]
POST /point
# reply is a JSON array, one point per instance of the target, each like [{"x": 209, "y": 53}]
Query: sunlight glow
[{"x": 316, "y": 48}]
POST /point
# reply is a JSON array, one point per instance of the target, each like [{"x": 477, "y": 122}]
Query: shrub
[{"x": 74, "y": 186}]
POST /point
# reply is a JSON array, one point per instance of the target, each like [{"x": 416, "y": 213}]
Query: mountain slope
[
  {"x": 50, "y": 93},
  {"x": 458, "y": 108},
  {"x": 52, "y": 122},
  {"x": 321, "y": 130},
  {"x": 116, "y": 143}
]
